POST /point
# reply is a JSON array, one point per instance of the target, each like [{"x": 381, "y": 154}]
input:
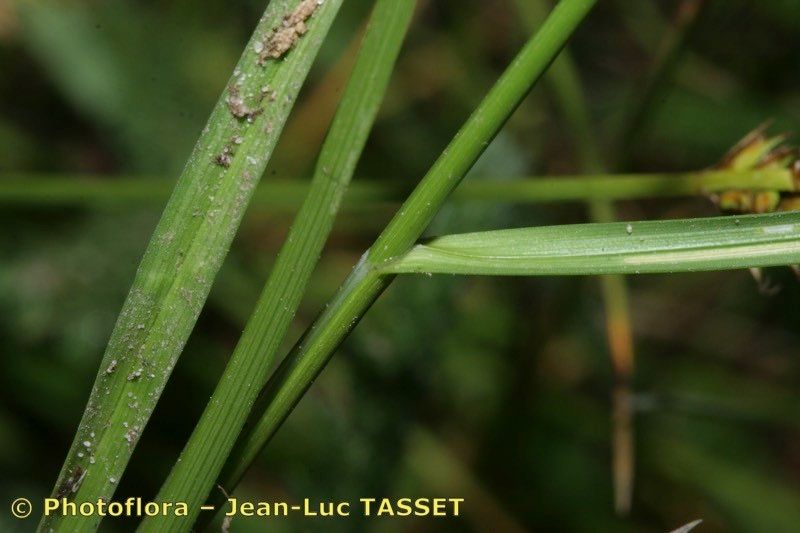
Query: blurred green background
[{"x": 495, "y": 390}]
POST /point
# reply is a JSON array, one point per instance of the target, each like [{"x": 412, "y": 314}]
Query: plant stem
[
  {"x": 193, "y": 476},
  {"x": 624, "y": 186},
  {"x": 180, "y": 263},
  {"x": 285, "y": 195},
  {"x": 296, "y": 373}
]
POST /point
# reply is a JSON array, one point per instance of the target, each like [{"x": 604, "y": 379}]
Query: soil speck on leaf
[
  {"x": 224, "y": 158},
  {"x": 268, "y": 93},
  {"x": 72, "y": 483},
  {"x": 293, "y": 26},
  {"x": 130, "y": 436},
  {"x": 238, "y": 107}
]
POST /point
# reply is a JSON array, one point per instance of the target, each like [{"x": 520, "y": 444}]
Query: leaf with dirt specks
[{"x": 183, "y": 257}]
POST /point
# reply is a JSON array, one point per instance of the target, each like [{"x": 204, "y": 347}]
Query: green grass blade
[
  {"x": 296, "y": 373},
  {"x": 282, "y": 194},
  {"x": 192, "y": 478},
  {"x": 183, "y": 257},
  {"x": 687, "y": 245}
]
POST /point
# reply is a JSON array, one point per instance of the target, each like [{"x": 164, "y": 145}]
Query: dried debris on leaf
[
  {"x": 282, "y": 38},
  {"x": 224, "y": 158},
  {"x": 72, "y": 483},
  {"x": 268, "y": 93},
  {"x": 131, "y": 436},
  {"x": 238, "y": 107}
]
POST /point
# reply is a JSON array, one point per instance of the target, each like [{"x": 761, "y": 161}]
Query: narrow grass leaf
[
  {"x": 183, "y": 256},
  {"x": 688, "y": 245},
  {"x": 192, "y": 478}
]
